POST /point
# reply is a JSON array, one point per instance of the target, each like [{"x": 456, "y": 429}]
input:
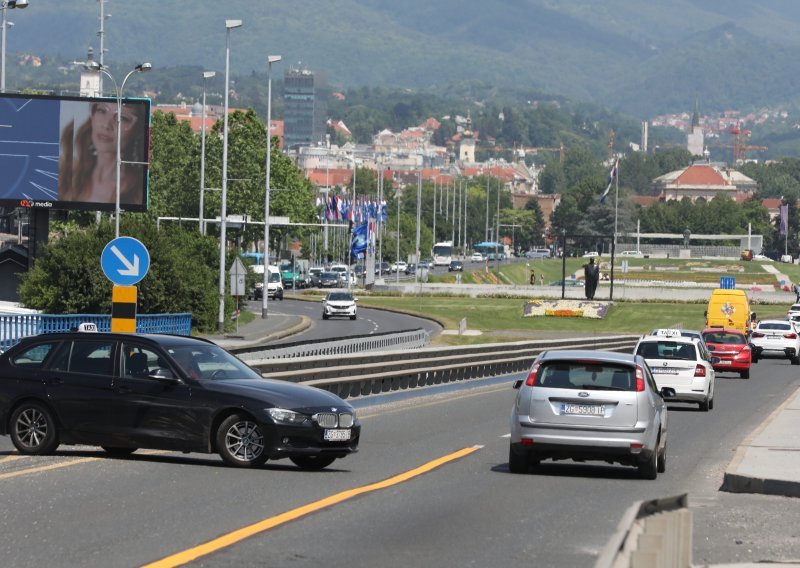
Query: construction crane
[{"x": 739, "y": 146}]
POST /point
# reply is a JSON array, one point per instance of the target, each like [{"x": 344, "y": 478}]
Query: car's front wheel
[
  {"x": 240, "y": 442},
  {"x": 33, "y": 429},
  {"x": 312, "y": 463}
]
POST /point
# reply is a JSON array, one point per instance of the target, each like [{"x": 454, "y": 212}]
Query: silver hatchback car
[{"x": 590, "y": 405}]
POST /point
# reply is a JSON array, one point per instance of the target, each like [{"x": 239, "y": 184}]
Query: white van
[{"x": 274, "y": 284}]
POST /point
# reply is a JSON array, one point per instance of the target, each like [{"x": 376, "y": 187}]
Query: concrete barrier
[{"x": 652, "y": 534}]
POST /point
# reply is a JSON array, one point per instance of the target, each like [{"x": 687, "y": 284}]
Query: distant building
[
  {"x": 695, "y": 141},
  {"x": 466, "y": 146},
  {"x": 704, "y": 181},
  {"x": 304, "y": 110}
]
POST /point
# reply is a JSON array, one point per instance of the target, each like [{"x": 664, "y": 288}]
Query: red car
[{"x": 732, "y": 348}]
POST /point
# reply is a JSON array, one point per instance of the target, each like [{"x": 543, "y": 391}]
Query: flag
[
  {"x": 358, "y": 245},
  {"x": 784, "y": 222},
  {"x": 611, "y": 175}
]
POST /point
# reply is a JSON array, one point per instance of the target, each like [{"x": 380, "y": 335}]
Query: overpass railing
[
  {"x": 364, "y": 374},
  {"x": 14, "y": 327}
]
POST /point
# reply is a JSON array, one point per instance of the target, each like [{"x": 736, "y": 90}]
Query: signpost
[
  {"x": 238, "y": 289},
  {"x": 125, "y": 261}
]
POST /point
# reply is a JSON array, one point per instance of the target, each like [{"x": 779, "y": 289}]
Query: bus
[
  {"x": 492, "y": 251},
  {"x": 443, "y": 253}
]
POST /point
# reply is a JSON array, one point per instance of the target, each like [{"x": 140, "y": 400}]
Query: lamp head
[
  {"x": 144, "y": 67},
  {"x": 273, "y": 58},
  {"x": 209, "y": 74},
  {"x": 230, "y": 24},
  {"x": 18, "y": 4}
]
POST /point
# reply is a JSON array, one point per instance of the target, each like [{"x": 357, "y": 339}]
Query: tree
[{"x": 174, "y": 168}]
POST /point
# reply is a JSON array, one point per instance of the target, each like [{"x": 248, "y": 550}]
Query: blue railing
[{"x": 14, "y": 327}]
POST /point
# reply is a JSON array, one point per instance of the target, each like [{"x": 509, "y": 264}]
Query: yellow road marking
[
  {"x": 10, "y": 458},
  {"x": 46, "y": 467},
  {"x": 181, "y": 558}
]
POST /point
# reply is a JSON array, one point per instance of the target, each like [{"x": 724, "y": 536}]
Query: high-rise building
[{"x": 303, "y": 109}]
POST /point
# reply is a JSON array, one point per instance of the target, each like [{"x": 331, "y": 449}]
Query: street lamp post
[
  {"x": 206, "y": 75},
  {"x": 141, "y": 68},
  {"x": 4, "y": 6},
  {"x": 265, "y": 290},
  {"x": 229, "y": 25}
]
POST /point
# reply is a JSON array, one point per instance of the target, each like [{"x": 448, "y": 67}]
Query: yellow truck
[{"x": 730, "y": 309}]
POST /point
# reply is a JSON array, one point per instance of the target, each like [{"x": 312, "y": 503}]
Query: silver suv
[{"x": 590, "y": 405}]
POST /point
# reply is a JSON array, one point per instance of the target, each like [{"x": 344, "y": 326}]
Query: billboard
[{"x": 61, "y": 152}]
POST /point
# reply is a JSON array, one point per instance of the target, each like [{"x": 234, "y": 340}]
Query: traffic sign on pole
[{"x": 125, "y": 261}]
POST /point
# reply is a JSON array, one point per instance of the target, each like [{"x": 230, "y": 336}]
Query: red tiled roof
[
  {"x": 700, "y": 175},
  {"x": 645, "y": 200},
  {"x": 333, "y": 176}
]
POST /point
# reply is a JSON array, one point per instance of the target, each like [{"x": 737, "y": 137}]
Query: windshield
[
  {"x": 210, "y": 362},
  {"x": 587, "y": 376},
  {"x": 724, "y": 337},
  {"x": 340, "y": 297}
]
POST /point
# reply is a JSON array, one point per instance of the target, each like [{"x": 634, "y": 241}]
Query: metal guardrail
[
  {"x": 385, "y": 371},
  {"x": 412, "y": 339},
  {"x": 14, "y": 327},
  {"x": 657, "y": 532}
]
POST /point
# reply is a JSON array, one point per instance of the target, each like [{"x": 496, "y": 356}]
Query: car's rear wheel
[
  {"x": 661, "y": 463},
  {"x": 795, "y": 360},
  {"x": 705, "y": 406},
  {"x": 117, "y": 451},
  {"x": 648, "y": 469},
  {"x": 312, "y": 463},
  {"x": 33, "y": 429},
  {"x": 745, "y": 374},
  {"x": 240, "y": 442},
  {"x": 517, "y": 463}
]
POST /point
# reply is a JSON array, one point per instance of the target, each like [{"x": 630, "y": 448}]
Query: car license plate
[
  {"x": 337, "y": 435},
  {"x": 583, "y": 409},
  {"x": 725, "y": 362},
  {"x": 662, "y": 371}
]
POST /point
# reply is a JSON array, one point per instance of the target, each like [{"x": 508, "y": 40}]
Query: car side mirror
[
  {"x": 518, "y": 384},
  {"x": 164, "y": 375},
  {"x": 715, "y": 360},
  {"x": 668, "y": 392},
  {"x": 355, "y": 299},
  {"x": 753, "y": 316}
]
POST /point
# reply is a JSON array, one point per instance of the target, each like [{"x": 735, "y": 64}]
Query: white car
[
  {"x": 777, "y": 338},
  {"x": 632, "y": 254},
  {"x": 682, "y": 363},
  {"x": 762, "y": 257},
  {"x": 793, "y": 311},
  {"x": 339, "y": 304},
  {"x": 476, "y": 257},
  {"x": 593, "y": 254},
  {"x": 399, "y": 266}
]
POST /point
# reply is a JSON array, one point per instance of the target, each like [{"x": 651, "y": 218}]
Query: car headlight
[{"x": 283, "y": 416}]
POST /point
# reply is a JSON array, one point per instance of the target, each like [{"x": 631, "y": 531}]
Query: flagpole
[{"x": 616, "y": 201}]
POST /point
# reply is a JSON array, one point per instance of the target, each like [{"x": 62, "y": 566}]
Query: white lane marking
[{"x": 506, "y": 435}]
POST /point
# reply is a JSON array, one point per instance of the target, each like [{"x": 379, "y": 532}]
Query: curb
[
  {"x": 733, "y": 482},
  {"x": 305, "y": 323}
]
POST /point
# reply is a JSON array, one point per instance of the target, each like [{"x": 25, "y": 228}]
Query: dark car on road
[
  {"x": 124, "y": 391},
  {"x": 329, "y": 280},
  {"x": 455, "y": 266}
]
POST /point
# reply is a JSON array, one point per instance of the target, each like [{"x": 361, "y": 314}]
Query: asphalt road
[
  {"x": 369, "y": 321},
  {"x": 82, "y": 508}
]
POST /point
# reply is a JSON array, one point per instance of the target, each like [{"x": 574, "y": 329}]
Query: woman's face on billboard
[{"x": 104, "y": 126}]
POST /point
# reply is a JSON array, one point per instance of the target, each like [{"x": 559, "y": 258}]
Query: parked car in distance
[
  {"x": 411, "y": 268},
  {"x": 631, "y": 254},
  {"x": 681, "y": 363},
  {"x": 732, "y": 348},
  {"x": 590, "y": 405},
  {"x": 383, "y": 268},
  {"x": 339, "y": 304},
  {"x": 455, "y": 266},
  {"x": 476, "y": 257},
  {"x": 425, "y": 263},
  {"x": 538, "y": 253},
  {"x": 775, "y": 338},
  {"x": 314, "y": 273},
  {"x": 168, "y": 393},
  {"x": 592, "y": 254}
]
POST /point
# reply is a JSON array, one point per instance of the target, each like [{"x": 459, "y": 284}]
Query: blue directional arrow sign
[{"x": 125, "y": 261}]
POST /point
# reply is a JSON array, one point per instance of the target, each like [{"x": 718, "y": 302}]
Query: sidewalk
[
  {"x": 767, "y": 460},
  {"x": 261, "y": 331}
]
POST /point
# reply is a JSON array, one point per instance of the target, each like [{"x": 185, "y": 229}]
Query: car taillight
[
  {"x": 757, "y": 334},
  {"x": 639, "y": 379},
  {"x": 790, "y": 335},
  {"x": 532, "y": 375},
  {"x": 745, "y": 349},
  {"x": 699, "y": 371}
]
